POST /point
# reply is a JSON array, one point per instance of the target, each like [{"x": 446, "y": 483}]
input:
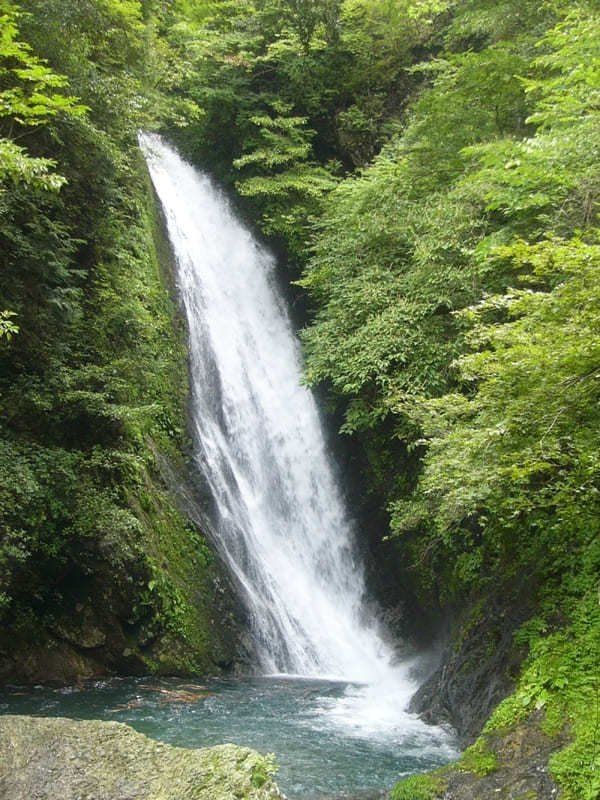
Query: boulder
[{"x": 50, "y": 758}]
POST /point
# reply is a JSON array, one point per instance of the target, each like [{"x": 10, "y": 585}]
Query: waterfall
[{"x": 282, "y": 525}]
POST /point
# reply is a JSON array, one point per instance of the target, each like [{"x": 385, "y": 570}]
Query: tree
[{"x": 28, "y": 100}]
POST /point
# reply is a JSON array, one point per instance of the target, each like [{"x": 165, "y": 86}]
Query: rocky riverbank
[{"x": 512, "y": 764}]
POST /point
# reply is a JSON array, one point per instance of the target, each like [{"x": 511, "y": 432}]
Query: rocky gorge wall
[{"x": 124, "y": 581}]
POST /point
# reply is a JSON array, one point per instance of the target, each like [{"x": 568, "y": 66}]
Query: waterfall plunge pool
[{"x": 330, "y": 741}]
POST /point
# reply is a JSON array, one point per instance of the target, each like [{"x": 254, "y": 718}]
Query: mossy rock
[
  {"x": 418, "y": 787},
  {"x": 502, "y": 765},
  {"x": 49, "y": 758}
]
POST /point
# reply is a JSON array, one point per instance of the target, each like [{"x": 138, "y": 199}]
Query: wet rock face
[
  {"x": 55, "y": 758},
  {"x": 477, "y": 669}
]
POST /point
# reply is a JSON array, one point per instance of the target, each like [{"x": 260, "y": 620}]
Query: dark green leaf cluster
[
  {"x": 92, "y": 373},
  {"x": 455, "y": 285},
  {"x": 294, "y": 92}
]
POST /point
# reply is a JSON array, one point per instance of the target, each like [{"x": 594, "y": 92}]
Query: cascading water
[{"x": 282, "y": 525}]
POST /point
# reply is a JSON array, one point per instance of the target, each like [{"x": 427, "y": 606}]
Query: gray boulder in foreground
[{"x": 63, "y": 759}]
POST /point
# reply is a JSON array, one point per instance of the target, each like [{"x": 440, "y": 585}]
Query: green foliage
[
  {"x": 478, "y": 758},
  {"x": 164, "y": 600},
  {"x": 94, "y": 383},
  {"x": 531, "y": 422},
  {"x": 7, "y": 327},
  {"x": 263, "y": 770},
  {"x": 418, "y": 787},
  {"x": 455, "y": 290},
  {"x": 530, "y": 414},
  {"x": 414, "y": 239},
  {"x": 293, "y": 91},
  {"x": 29, "y": 99},
  {"x": 392, "y": 254},
  {"x": 560, "y": 676},
  {"x": 287, "y": 188},
  {"x": 15, "y": 164}
]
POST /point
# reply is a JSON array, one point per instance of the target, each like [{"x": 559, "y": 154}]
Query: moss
[
  {"x": 478, "y": 759},
  {"x": 474, "y": 618},
  {"x": 181, "y": 592},
  {"x": 419, "y": 787}
]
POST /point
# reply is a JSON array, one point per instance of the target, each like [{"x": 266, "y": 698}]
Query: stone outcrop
[
  {"x": 520, "y": 770},
  {"x": 510, "y": 764},
  {"x": 51, "y": 758}
]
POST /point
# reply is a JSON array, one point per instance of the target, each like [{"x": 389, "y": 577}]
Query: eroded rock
[{"x": 50, "y": 758}]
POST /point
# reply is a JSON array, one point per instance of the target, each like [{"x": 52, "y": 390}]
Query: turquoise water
[{"x": 308, "y": 724}]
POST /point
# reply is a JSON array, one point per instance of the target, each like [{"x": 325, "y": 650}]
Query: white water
[{"x": 282, "y": 524}]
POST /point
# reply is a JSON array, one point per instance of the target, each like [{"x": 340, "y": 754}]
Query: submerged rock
[{"x": 50, "y": 758}]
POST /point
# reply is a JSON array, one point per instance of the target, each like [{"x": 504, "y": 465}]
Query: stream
[{"x": 326, "y": 746}]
